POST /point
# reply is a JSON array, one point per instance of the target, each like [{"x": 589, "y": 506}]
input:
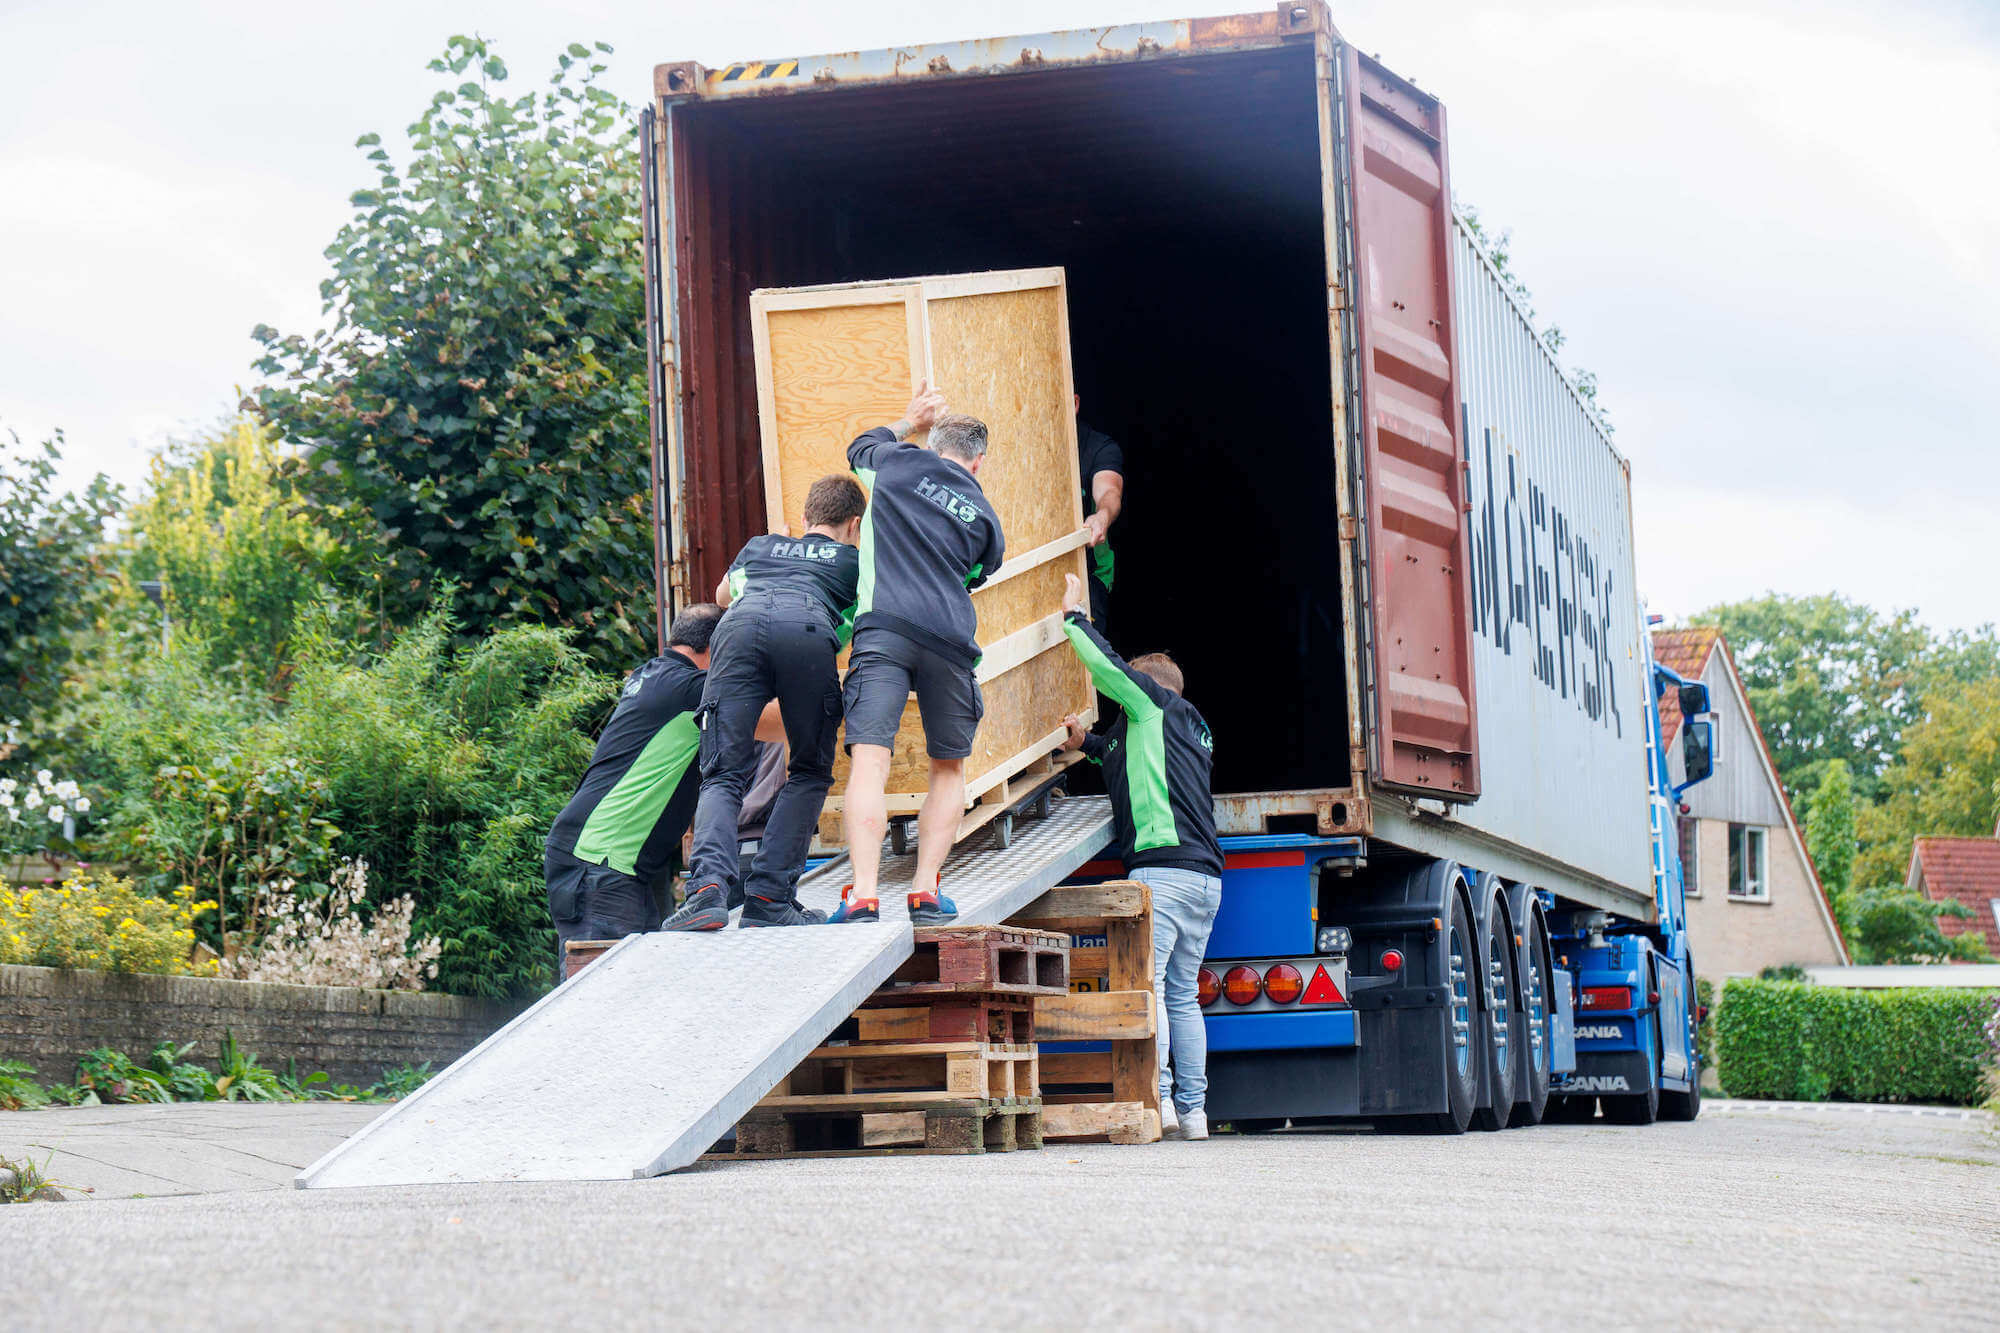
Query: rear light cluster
[
  {"x": 1606, "y": 997},
  {"x": 1280, "y": 983}
]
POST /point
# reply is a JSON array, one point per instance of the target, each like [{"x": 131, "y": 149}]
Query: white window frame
[
  {"x": 1756, "y": 869},
  {"x": 1691, "y": 863}
]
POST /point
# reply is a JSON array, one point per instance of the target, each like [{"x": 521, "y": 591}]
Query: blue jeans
[{"x": 1184, "y": 906}]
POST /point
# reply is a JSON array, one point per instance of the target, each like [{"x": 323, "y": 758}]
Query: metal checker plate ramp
[{"x": 639, "y": 1064}]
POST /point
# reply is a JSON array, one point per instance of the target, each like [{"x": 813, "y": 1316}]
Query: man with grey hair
[{"x": 928, "y": 538}]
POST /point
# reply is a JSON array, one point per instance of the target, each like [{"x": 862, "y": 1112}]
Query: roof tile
[
  {"x": 1685, "y": 652},
  {"x": 1967, "y": 870}
]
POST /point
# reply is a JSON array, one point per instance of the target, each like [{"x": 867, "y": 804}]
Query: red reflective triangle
[{"x": 1321, "y": 990}]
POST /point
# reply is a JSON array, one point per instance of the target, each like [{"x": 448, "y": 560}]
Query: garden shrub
[
  {"x": 1789, "y": 1041},
  {"x": 104, "y": 922},
  {"x": 326, "y": 942}
]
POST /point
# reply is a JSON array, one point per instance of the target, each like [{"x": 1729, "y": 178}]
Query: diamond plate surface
[{"x": 648, "y": 1056}]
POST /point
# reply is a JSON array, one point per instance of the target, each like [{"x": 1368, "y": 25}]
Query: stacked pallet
[
  {"x": 1101, "y": 1084},
  {"x": 942, "y": 1059}
]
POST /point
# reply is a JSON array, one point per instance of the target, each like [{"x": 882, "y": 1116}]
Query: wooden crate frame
[
  {"x": 862, "y": 349},
  {"x": 1122, "y": 1102}
]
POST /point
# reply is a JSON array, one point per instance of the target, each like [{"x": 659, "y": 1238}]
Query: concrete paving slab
[{"x": 184, "y": 1148}]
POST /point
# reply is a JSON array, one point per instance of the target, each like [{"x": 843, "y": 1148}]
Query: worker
[
  {"x": 930, "y": 537},
  {"x": 1156, "y": 760},
  {"x": 1101, "y": 466},
  {"x": 791, "y": 610},
  {"x": 622, "y": 829}
]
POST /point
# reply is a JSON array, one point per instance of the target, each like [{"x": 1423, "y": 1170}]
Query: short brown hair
[
  {"x": 834, "y": 500},
  {"x": 1165, "y": 673},
  {"x": 960, "y": 436}
]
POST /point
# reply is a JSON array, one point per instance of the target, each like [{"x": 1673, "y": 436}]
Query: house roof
[
  {"x": 1685, "y": 652},
  {"x": 1968, "y": 871}
]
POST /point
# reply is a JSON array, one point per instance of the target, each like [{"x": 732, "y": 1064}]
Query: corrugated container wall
[{"x": 1555, "y": 616}]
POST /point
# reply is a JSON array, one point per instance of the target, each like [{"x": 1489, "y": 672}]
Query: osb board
[
  {"x": 845, "y": 369},
  {"x": 835, "y": 361},
  {"x": 1004, "y": 357}
]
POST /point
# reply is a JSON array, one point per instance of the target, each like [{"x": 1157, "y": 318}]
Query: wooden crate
[
  {"x": 1113, "y": 1094},
  {"x": 834, "y": 361}
]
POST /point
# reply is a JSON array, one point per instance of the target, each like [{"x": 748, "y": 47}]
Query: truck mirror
[
  {"x": 1694, "y": 698},
  {"x": 1697, "y": 749}
]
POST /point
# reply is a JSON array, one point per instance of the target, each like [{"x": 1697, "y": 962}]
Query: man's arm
[
  {"x": 926, "y": 406},
  {"x": 990, "y": 556},
  {"x": 770, "y": 723},
  {"x": 1138, "y": 694},
  {"x": 1092, "y": 745},
  {"x": 1107, "y": 494}
]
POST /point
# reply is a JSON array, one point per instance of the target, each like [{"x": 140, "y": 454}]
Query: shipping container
[{"x": 1365, "y": 509}]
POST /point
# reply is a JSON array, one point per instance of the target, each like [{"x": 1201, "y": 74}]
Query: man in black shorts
[
  {"x": 620, "y": 832},
  {"x": 929, "y": 539},
  {"x": 791, "y": 607}
]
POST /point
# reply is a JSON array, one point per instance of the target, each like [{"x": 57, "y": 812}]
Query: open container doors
[{"x": 834, "y": 361}]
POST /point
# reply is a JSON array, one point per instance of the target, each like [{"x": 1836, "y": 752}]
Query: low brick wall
[{"x": 49, "y": 1016}]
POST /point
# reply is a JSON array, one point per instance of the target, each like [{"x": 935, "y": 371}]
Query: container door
[
  {"x": 662, "y": 394},
  {"x": 1411, "y": 484}
]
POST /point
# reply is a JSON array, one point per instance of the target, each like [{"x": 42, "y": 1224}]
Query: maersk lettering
[{"x": 1539, "y": 585}]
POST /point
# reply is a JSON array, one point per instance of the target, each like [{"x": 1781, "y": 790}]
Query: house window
[
  {"x": 1749, "y": 863},
  {"x": 1691, "y": 856}
]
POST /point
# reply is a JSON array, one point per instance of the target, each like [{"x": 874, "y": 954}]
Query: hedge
[{"x": 1795, "y": 1042}]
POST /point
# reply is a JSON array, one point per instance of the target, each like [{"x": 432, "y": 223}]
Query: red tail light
[
  {"x": 1240, "y": 985},
  {"x": 1208, "y": 987},
  {"x": 1606, "y": 997},
  {"x": 1283, "y": 983},
  {"x": 1391, "y": 960}
]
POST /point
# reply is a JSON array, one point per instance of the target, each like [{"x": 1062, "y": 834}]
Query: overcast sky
[{"x": 1771, "y": 229}]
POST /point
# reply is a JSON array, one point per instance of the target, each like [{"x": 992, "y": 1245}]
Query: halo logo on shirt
[
  {"x": 805, "y": 551},
  {"x": 947, "y": 499}
]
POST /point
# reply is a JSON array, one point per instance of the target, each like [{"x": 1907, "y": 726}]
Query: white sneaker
[
  {"x": 1170, "y": 1124},
  {"x": 1194, "y": 1126}
]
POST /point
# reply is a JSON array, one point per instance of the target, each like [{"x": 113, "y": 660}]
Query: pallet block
[
  {"x": 965, "y": 1126},
  {"x": 1004, "y": 1019},
  {"x": 835, "y": 361},
  {"x": 579, "y": 954},
  {"x": 1111, "y": 1095},
  {"x": 985, "y": 959}
]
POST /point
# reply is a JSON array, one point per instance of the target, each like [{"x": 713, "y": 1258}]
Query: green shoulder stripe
[
  {"x": 1104, "y": 674},
  {"x": 1145, "y": 741},
  {"x": 864, "y": 600},
  {"x": 618, "y": 828}
]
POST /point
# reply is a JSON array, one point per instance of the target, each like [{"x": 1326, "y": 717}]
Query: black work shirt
[
  {"x": 818, "y": 566},
  {"x": 638, "y": 794},
  {"x": 929, "y": 537}
]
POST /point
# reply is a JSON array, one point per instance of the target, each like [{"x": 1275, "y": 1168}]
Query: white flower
[
  {"x": 83, "y": 805},
  {"x": 69, "y": 791},
  {"x": 13, "y": 815},
  {"x": 43, "y": 776},
  {"x": 56, "y": 813},
  {"x": 7, "y": 785},
  {"x": 6, "y": 799},
  {"x": 33, "y": 800}
]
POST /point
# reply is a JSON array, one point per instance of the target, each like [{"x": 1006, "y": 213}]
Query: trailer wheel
[
  {"x": 1531, "y": 1084},
  {"x": 1463, "y": 1044},
  {"x": 1497, "y": 1022},
  {"x": 1570, "y": 1110}
]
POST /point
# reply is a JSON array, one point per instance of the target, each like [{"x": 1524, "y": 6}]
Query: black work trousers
[{"x": 770, "y": 645}]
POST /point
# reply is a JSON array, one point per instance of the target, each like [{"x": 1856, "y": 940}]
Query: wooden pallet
[
  {"x": 945, "y": 1126},
  {"x": 579, "y": 954},
  {"x": 994, "y": 1072},
  {"x": 993, "y": 960},
  {"x": 1111, "y": 1095},
  {"x": 1001, "y": 1019}
]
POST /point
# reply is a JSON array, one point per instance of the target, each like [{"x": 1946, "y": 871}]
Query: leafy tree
[
  {"x": 1830, "y": 829},
  {"x": 1893, "y": 924},
  {"x": 477, "y": 409},
  {"x": 1832, "y": 679},
  {"x": 51, "y": 560},
  {"x": 1942, "y": 784},
  {"x": 236, "y": 561}
]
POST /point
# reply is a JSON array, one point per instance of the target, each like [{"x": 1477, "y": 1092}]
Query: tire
[
  {"x": 1640, "y": 1108},
  {"x": 1569, "y": 1110},
  {"x": 1461, "y": 1075},
  {"x": 1531, "y": 1046},
  {"x": 1685, "y": 1106},
  {"x": 1497, "y": 1022}
]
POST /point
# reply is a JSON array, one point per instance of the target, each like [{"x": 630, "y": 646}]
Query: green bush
[{"x": 1783, "y": 1040}]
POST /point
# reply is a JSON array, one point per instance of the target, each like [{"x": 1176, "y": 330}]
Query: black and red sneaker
[
  {"x": 931, "y": 909},
  {"x": 705, "y": 909},
  {"x": 770, "y": 912},
  {"x": 855, "y": 909}
]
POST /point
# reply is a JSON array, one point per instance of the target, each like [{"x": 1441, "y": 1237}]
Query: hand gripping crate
[{"x": 835, "y": 361}]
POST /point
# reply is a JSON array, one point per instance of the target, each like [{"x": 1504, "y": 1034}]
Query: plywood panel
[
  {"x": 840, "y": 370},
  {"x": 1004, "y": 357},
  {"x": 1023, "y": 599},
  {"x": 1024, "y": 705}
]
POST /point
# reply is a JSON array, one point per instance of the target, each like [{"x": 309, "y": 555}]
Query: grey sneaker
[
  {"x": 705, "y": 909},
  {"x": 764, "y": 912},
  {"x": 1194, "y": 1126},
  {"x": 1170, "y": 1124}
]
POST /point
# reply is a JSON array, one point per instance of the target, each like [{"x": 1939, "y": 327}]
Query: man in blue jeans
[{"x": 1157, "y": 759}]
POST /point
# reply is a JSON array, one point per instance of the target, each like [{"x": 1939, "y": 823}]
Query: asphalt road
[{"x": 1747, "y": 1218}]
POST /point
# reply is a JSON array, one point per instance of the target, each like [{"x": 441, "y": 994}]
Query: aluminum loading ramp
[{"x": 652, "y": 1053}]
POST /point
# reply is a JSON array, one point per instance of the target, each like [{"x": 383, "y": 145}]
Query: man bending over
[{"x": 929, "y": 538}]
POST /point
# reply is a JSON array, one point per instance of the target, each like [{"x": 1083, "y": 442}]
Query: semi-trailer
[{"x": 1366, "y": 509}]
